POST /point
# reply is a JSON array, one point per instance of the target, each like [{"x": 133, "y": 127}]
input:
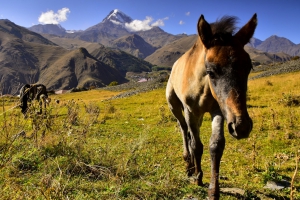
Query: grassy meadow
[{"x": 87, "y": 147}]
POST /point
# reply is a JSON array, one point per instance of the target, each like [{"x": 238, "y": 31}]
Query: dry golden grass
[
  {"x": 131, "y": 148},
  {"x": 87, "y": 96}
]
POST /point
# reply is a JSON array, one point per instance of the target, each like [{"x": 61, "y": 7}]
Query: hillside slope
[
  {"x": 27, "y": 57},
  {"x": 79, "y": 69},
  {"x": 121, "y": 60},
  {"x": 167, "y": 55},
  {"x": 135, "y": 45}
]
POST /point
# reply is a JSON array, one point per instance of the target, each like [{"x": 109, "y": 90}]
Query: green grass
[{"x": 131, "y": 148}]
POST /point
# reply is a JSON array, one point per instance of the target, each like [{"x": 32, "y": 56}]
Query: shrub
[
  {"x": 160, "y": 68},
  {"x": 113, "y": 83},
  {"x": 271, "y": 174},
  {"x": 269, "y": 83},
  {"x": 92, "y": 87},
  {"x": 78, "y": 89},
  {"x": 289, "y": 100},
  {"x": 255, "y": 63}
]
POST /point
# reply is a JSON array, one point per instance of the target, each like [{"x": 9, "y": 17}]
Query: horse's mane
[{"x": 223, "y": 29}]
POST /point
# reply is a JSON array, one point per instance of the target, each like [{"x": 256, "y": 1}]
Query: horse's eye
[{"x": 211, "y": 74}]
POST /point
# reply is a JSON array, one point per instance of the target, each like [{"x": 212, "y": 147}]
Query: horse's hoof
[
  {"x": 213, "y": 194},
  {"x": 190, "y": 170},
  {"x": 189, "y": 173},
  {"x": 195, "y": 180}
]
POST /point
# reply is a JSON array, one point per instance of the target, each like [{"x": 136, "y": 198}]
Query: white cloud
[
  {"x": 146, "y": 24},
  {"x": 181, "y": 22},
  {"x": 115, "y": 22},
  {"x": 187, "y": 13},
  {"x": 50, "y": 17},
  {"x": 138, "y": 25},
  {"x": 159, "y": 22}
]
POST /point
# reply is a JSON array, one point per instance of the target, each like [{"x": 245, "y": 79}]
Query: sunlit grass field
[{"x": 87, "y": 147}]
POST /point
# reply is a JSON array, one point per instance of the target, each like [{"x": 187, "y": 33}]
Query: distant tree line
[{"x": 160, "y": 68}]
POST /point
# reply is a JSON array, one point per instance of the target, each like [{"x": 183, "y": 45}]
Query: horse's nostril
[
  {"x": 231, "y": 128},
  {"x": 241, "y": 129}
]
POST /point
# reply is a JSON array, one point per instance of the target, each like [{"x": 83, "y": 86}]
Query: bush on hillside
[
  {"x": 289, "y": 100},
  {"x": 160, "y": 68},
  {"x": 114, "y": 83},
  {"x": 295, "y": 58},
  {"x": 78, "y": 89}
]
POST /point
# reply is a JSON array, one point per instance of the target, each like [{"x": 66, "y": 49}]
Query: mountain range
[
  {"x": 105, "y": 52},
  {"x": 114, "y": 31},
  {"x": 28, "y": 57}
]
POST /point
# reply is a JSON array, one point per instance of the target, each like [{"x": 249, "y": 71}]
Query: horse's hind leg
[
  {"x": 216, "y": 147},
  {"x": 41, "y": 106},
  {"x": 24, "y": 105},
  {"x": 176, "y": 108}
]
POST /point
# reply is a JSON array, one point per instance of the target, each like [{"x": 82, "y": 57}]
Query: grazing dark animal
[
  {"x": 212, "y": 77},
  {"x": 30, "y": 92}
]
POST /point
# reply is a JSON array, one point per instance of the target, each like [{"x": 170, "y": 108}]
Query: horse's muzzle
[{"x": 241, "y": 128}]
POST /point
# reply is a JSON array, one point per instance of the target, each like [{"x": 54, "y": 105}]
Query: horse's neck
[
  {"x": 189, "y": 74},
  {"x": 196, "y": 60}
]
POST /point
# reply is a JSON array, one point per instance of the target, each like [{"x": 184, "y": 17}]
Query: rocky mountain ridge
[{"x": 28, "y": 57}]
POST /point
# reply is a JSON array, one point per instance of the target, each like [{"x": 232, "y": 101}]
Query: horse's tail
[
  {"x": 24, "y": 95},
  {"x": 24, "y": 91}
]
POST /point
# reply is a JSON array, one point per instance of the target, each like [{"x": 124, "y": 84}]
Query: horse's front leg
[
  {"x": 194, "y": 144},
  {"x": 216, "y": 147},
  {"x": 176, "y": 106},
  {"x": 190, "y": 167}
]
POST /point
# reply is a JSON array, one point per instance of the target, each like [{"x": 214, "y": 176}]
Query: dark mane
[
  {"x": 224, "y": 25},
  {"x": 223, "y": 29}
]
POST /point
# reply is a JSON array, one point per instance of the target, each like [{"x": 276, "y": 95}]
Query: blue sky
[{"x": 275, "y": 17}]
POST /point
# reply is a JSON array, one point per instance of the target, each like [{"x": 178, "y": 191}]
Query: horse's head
[
  {"x": 228, "y": 66},
  {"x": 45, "y": 98}
]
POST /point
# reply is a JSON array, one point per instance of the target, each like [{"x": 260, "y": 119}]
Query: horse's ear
[
  {"x": 204, "y": 32},
  {"x": 246, "y": 32}
]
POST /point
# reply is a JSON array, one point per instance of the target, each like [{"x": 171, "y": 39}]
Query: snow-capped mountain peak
[{"x": 117, "y": 17}]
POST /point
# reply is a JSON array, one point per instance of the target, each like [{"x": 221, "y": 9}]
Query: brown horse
[
  {"x": 212, "y": 77},
  {"x": 30, "y": 92}
]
